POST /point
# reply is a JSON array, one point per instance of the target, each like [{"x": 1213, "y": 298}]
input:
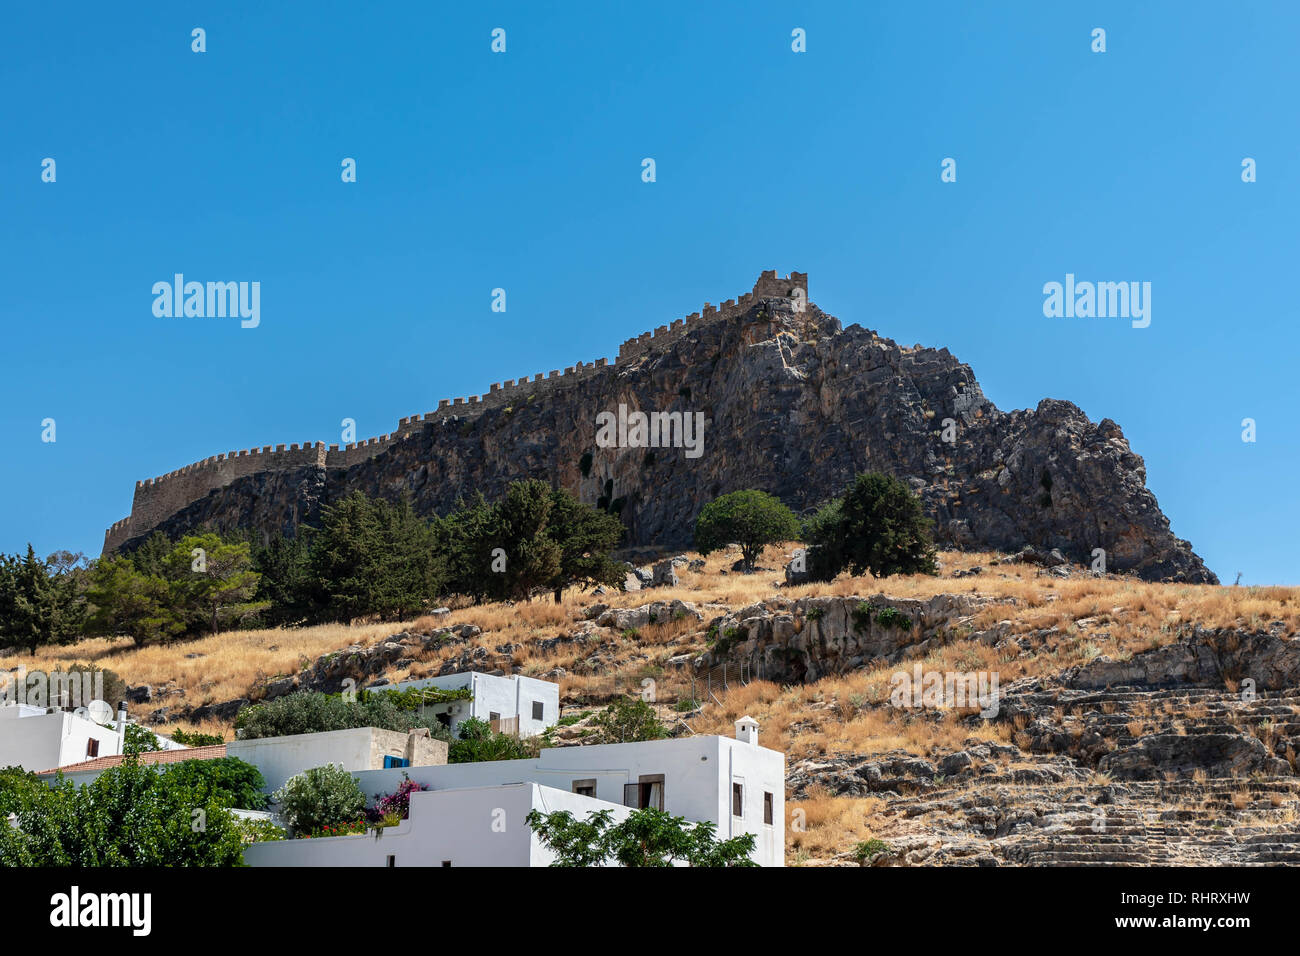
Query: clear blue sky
[{"x": 523, "y": 171}]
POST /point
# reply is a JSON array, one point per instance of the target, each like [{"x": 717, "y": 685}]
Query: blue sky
[{"x": 523, "y": 171}]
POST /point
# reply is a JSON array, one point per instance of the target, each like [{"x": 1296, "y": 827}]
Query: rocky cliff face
[{"x": 793, "y": 404}]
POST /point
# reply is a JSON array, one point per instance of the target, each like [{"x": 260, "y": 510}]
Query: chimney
[
  {"x": 747, "y": 730},
  {"x": 121, "y": 717}
]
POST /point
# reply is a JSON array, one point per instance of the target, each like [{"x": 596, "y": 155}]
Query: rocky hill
[{"x": 793, "y": 403}]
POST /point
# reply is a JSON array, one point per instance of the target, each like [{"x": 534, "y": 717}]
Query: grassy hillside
[{"x": 1073, "y": 620}]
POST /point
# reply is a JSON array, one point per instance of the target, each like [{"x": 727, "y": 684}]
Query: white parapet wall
[
  {"x": 473, "y": 826},
  {"x": 357, "y": 749}
]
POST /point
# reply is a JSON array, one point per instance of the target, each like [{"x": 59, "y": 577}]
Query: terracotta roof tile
[{"x": 149, "y": 757}]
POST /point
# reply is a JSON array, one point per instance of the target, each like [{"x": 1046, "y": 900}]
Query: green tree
[
  {"x": 536, "y": 538},
  {"x": 322, "y": 796},
  {"x": 647, "y": 837},
  {"x": 34, "y": 607},
  {"x": 211, "y": 582},
  {"x": 125, "y": 601},
  {"x": 585, "y": 537},
  {"x": 625, "y": 720},
  {"x": 521, "y": 528},
  {"x": 228, "y": 780},
  {"x": 754, "y": 519},
  {"x": 373, "y": 557},
  {"x": 286, "y": 582},
  {"x": 878, "y": 526},
  {"x": 129, "y": 816},
  {"x": 18, "y": 787},
  {"x": 137, "y": 740}
]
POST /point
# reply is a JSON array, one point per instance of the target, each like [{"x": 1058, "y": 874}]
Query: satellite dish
[{"x": 100, "y": 712}]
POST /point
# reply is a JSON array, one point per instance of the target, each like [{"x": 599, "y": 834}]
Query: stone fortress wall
[{"x": 158, "y": 498}]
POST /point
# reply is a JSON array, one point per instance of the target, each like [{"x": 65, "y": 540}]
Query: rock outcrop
[{"x": 792, "y": 403}]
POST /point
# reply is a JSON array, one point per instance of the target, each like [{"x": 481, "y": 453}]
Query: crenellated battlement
[
  {"x": 769, "y": 285},
  {"x": 157, "y": 498}
]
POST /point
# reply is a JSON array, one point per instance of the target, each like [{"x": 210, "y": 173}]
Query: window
[
  {"x": 392, "y": 860},
  {"x": 446, "y": 862},
  {"x": 737, "y": 799},
  {"x": 768, "y": 805},
  {"x": 493, "y": 715},
  {"x": 585, "y": 788},
  {"x": 537, "y": 710},
  {"x": 92, "y": 747},
  {"x": 648, "y": 791},
  {"x": 444, "y": 719},
  {"x": 390, "y": 762}
]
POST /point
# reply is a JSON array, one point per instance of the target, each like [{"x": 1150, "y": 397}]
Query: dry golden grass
[
  {"x": 820, "y": 825},
  {"x": 1116, "y": 616}
]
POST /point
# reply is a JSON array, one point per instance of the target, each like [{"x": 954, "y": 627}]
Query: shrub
[
  {"x": 320, "y": 797},
  {"x": 865, "y": 850},
  {"x": 196, "y": 739},
  {"x": 259, "y": 831},
  {"x": 137, "y": 740},
  {"x": 862, "y": 614},
  {"x": 308, "y": 712},
  {"x": 395, "y": 805},
  {"x": 753, "y": 518},
  {"x": 893, "y": 617},
  {"x": 628, "y": 719},
  {"x": 229, "y": 780},
  {"x": 478, "y": 742}
]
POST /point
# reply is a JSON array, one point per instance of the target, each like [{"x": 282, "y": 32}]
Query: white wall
[
  {"x": 507, "y": 696},
  {"x": 35, "y": 740},
  {"x": 279, "y": 758},
  {"x": 698, "y": 773},
  {"x": 477, "y": 826}
]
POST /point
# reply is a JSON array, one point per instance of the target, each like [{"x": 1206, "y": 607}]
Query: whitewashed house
[
  {"x": 38, "y": 738},
  {"x": 511, "y": 703},
  {"x": 474, "y": 813}
]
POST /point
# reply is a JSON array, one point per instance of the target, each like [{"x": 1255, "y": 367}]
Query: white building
[
  {"x": 38, "y": 738},
  {"x": 512, "y": 703},
  {"x": 356, "y": 749},
  {"x": 473, "y": 815}
]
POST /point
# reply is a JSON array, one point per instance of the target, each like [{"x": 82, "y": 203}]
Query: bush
[
  {"x": 755, "y": 519},
  {"x": 877, "y": 527},
  {"x": 320, "y": 797},
  {"x": 478, "y": 742},
  {"x": 307, "y": 712},
  {"x": 259, "y": 831},
  {"x": 138, "y": 740},
  {"x": 196, "y": 739},
  {"x": 628, "y": 719},
  {"x": 229, "y": 780},
  {"x": 395, "y": 805}
]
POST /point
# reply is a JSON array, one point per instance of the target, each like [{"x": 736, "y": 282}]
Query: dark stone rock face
[{"x": 793, "y": 404}]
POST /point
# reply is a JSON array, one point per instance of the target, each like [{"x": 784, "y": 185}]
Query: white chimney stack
[
  {"x": 121, "y": 717},
  {"x": 747, "y": 730}
]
